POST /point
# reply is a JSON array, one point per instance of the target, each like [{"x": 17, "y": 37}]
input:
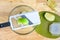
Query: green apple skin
[{"x": 23, "y": 21}]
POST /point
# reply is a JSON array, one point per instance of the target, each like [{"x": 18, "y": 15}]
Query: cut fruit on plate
[
  {"x": 54, "y": 29},
  {"x": 49, "y": 17},
  {"x": 43, "y": 28}
]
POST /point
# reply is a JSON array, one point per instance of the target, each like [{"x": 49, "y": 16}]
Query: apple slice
[
  {"x": 23, "y": 21},
  {"x": 54, "y": 29},
  {"x": 49, "y": 17}
]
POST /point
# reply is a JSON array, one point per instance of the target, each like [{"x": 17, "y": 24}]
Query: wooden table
[{"x": 6, "y": 6}]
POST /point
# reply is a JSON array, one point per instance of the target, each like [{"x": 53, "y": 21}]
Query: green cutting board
[{"x": 43, "y": 28}]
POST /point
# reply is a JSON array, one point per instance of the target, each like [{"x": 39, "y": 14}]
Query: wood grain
[{"x": 6, "y": 6}]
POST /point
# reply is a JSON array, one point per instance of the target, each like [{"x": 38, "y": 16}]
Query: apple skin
[{"x": 23, "y": 21}]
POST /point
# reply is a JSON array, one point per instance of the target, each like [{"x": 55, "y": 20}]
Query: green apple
[
  {"x": 23, "y": 21},
  {"x": 49, "y": 17}
]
